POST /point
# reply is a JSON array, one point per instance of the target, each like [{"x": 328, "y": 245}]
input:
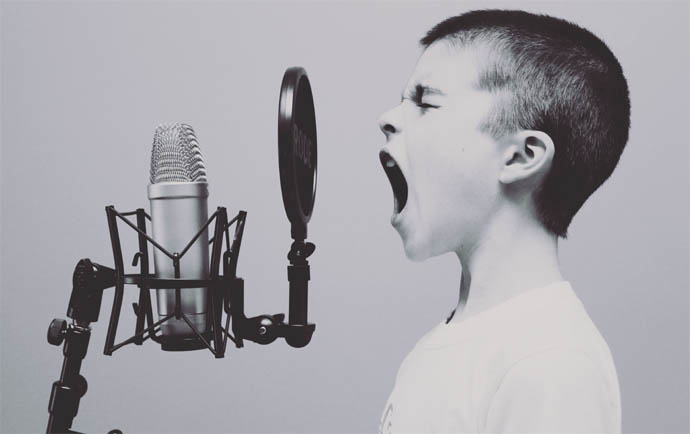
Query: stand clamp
[{"x": 264, "y": 329}]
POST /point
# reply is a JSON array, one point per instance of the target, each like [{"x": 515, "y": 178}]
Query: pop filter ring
[{"x": 297, "y": 149}]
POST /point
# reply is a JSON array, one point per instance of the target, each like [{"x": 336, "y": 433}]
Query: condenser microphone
[{"x": 178, "y": 193}]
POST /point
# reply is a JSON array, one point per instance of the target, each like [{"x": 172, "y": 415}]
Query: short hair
[{"x": 553, "y": 76}]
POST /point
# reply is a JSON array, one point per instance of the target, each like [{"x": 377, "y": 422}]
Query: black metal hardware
[
  {"x": 226, "y": 294},
  {"x": 68, "y": 390}
]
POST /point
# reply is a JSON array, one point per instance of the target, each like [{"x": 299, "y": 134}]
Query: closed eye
[
  {"x": 416, "y": 95},
  {"x": 425, "y": 106},
  {"x": 421, "y": 105}
]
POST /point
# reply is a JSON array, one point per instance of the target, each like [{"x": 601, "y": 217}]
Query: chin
[
  {"x": 420, "y": 248},
  {"x": 417, "y": 250}
]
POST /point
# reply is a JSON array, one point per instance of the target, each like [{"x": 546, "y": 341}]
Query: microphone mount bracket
[{"x": 226, "y": 292}]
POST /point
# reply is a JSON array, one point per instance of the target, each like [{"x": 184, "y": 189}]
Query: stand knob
[{"x": 56, "y": 331}]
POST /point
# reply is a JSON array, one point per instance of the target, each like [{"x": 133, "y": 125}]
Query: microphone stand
[
  {"x": 88, "y": 282},
  {"x": 226, "y": 292}
]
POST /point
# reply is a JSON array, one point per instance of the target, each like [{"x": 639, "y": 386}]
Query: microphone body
[
  {"x": 178, "y": 194},
  {"x": 178, "y": 211}
]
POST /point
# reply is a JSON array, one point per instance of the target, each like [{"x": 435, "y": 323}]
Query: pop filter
[{"x": 297, "y": 149}]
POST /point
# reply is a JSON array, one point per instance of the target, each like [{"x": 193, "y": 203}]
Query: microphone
[
  {"x": 178, "y": 194},
  {"x": 191, "y": 295}
]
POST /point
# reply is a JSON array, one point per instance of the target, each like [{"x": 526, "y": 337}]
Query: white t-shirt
[{"x": 535, "y": 363}]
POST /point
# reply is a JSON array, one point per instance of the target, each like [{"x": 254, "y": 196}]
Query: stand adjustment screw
[{"x": 56, "y": 331}]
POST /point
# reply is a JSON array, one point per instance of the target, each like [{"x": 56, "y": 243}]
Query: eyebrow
[{"x": 420, "y": 89}]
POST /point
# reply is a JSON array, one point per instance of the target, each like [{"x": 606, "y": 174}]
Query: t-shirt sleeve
[{"x": 555, "y": 391}]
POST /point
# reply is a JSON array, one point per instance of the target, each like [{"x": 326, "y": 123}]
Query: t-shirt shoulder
[
  {"x": 552, "y": 389},
  {"x": 460, "y": 376}
]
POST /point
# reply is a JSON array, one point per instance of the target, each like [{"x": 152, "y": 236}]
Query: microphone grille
[{"x": 175, "y": 155}]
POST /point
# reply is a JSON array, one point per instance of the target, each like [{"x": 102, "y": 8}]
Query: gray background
[{"x": 83, "y": 88}]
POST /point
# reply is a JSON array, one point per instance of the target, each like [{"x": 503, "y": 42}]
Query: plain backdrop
[{"x": 84, "y": 85}]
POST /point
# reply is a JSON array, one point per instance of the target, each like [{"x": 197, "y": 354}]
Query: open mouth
[{"x": 397, "y": 180}]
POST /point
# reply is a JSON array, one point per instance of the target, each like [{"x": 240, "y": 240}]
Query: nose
[{"x": 389, "y": 124}]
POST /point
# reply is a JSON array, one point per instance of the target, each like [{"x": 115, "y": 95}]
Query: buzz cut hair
[{"x": 553, "y": 76}]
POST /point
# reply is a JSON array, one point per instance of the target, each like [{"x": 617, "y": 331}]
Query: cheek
[
  {"x": 442, "y": 162},
  {"x": 463, "y": 179},
  {"x": 450, "y": 161},
  {"x": 433, "y": 152},
  {"x": 477, "y": 177}
]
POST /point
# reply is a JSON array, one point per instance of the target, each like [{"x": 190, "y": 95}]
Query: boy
[{"x": 509, "y": 122}]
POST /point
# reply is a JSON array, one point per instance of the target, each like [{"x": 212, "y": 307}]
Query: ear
[{"x": 528, "y": 156}]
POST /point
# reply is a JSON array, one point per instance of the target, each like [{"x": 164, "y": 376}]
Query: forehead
[{"x": 446, "y": 67}]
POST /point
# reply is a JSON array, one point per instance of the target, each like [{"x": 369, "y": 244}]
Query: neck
[{"x": 514, "y": 255}]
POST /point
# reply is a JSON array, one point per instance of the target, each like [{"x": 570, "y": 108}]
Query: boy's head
[{"x": 504, "y": 108}]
